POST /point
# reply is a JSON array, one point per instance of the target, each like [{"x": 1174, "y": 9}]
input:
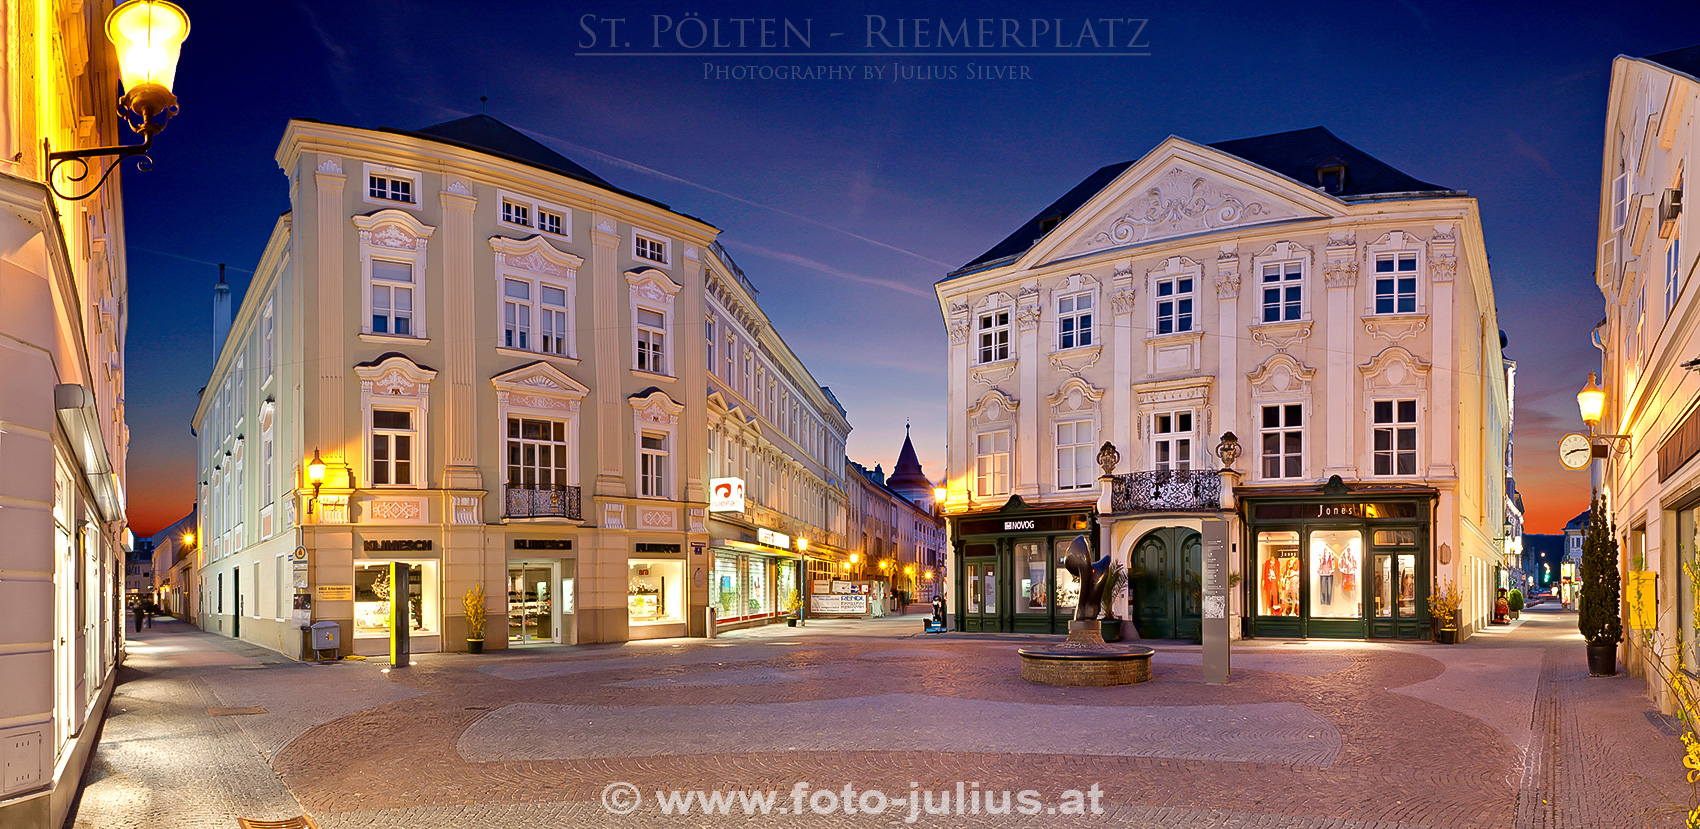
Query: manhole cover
[
  {"x": 236, "y": 710},
  {"x": 302, "y": 822}
]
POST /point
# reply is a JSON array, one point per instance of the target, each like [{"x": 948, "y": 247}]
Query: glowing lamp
[{"x": 1592, "y": 401}]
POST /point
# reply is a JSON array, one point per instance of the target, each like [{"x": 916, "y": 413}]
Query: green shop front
[
  {"x": 1009, "y": 574},
  {"x": 1339, "y": 564}
]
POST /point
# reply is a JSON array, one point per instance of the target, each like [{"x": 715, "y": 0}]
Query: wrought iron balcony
[
  {"x": 1166, "y": 491},
  {"x": 541, "y": 502}
]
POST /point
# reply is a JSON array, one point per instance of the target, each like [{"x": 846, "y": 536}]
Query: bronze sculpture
[{"x": 1092, "y": 576}]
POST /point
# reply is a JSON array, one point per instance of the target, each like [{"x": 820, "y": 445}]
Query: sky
[{"x": 844, "y": 199}]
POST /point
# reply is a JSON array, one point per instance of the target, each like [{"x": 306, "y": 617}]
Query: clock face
[{"x": 1575, "y": 451}]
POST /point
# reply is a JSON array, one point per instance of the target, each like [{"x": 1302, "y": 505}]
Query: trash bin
[{"x": 711, "y": 616}]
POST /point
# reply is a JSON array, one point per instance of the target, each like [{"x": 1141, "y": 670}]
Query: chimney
[{"x": 221, "y": 313}]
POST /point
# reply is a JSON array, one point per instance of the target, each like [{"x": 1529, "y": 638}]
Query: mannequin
[
  {"x": 1272, "y": 585},
  {"x": 1325, "y": 574}
]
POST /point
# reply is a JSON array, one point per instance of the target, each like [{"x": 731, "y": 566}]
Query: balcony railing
[
  {"x": 1166, "y": 491},
  {"x": 541, "y": 502}
]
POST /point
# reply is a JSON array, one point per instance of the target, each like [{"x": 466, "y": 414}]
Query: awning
[{"x": 81, "y": 421}]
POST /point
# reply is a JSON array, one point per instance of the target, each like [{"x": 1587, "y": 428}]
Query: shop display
[
  {"x": 372, "y": 599},
  {"x": 1336, "y": 560},
  {"x": 653, "y": 592}
]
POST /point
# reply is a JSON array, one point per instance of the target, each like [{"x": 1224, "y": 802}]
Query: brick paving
[{"x": 1505, "y": 730}]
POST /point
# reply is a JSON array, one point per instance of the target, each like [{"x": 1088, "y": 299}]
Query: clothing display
[{"x": 1325, "y": 575}]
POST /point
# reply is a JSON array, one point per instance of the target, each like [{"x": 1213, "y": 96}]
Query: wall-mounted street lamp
[
  {"x": 147, "y": 35},
  {"x": 315, "y": 476},
  {"x": 1591, "y": 400}
]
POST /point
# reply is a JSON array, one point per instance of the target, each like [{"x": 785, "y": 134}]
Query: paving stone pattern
[{"x": 1504, "y": 730}]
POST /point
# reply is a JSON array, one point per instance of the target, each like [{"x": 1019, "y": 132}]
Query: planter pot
[
  {"x": 475, "y": 646},
  {"x": 790, "y": 621},
  {"x": 1602, "y": 660},
  {"x": 1448, "y": 636},
  {"x": 1111, "y": 629}
]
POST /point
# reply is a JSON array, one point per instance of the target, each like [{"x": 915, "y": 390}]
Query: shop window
[
  {"x": 373, "y": 593},
  {"x": 1336, "y": 565},
  {"x": 1035, "y": 587},
  {"x": 653, "y": 592},
  {"x": 1068, "y": 592},
  {"x": 758, "y": 588},
  {"x": 1395, "y": 538},
  {"x": 1278, "y": 573}
]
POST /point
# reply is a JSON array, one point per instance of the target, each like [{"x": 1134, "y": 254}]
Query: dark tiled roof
[
  {"x": 908, "y": 469},
  {"x": 1296, "y": 155},
  {"x": 481, "y": 132},
  {"x": 1580, "y": 522},
  {"x": 1685, "y": 60}
]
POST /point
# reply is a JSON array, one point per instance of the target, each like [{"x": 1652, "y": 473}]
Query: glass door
[
  {"x": 980, "y": 611},
  {"x": 531, "y": 603},
  {"x": 569, "y": 630}
]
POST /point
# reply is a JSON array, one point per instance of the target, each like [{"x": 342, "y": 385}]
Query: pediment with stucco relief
[
  {"x": 1395, "y": 369},
  {"x": 1281, "y": 374},
  {"x": 539, "y": 378},
  {"x": 993, "y": 407}
]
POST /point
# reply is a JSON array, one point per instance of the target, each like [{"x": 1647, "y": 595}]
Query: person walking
[
  {"x": 137, "y": 611},
  {"x": 147, "y": 614}
]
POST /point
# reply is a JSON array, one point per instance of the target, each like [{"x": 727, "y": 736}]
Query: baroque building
[
  {"x": 1650, "y": 357},
  {"x": 895, "y": 533},
  {"x": 63, "y": 436},
  {"x": 517, "y": 377},
  {"x": 1331, "y": 312}
]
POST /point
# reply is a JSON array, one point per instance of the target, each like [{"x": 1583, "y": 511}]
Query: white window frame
[
  {"x": 653, "y": 291},
  {"x": 986, "y": 464},
  {"x": 1180, "y": 444},
  {"x": 666, "y": 260},
  {"x": 1174, "y": 315},
  {"x": 1068, "y": 456},
  {"x": 390, "y": 436},
  {"x": 268, "y": 466},
  {"x": 369, "y": 170},
  {"x": 1286, "y": 269},
  {"x": 534, "y": 210},
  {"x": 394, "y": 236},
  {"x": 516, "y": 329},
  {"x": 657, "y": 416},
  {"x": 1619, "y": 201},
  {"x": 1084, "y": 335},
  {"x": 1673, "y": 272},
  {"x": 990, "y": 323},
  {"x": 397, "y": 383},
  {"x": 710, "y": 332},
  {"x": 268, "y": 342},
  {"x": 542, "y": 265},
  {"x": 1377, "y": 276},
  {"x": 1394, "y": 428},
  {"x": 1283, "y": 428},
  {"x": 650, "y": 341}
]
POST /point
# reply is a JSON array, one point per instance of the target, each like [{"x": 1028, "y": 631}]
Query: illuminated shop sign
[
  {"x": 726, "y": 495},
  {"x": 773, "y": 539}
]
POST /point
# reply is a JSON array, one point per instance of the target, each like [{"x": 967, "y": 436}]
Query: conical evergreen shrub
[{"x": 1600, "y": 618}]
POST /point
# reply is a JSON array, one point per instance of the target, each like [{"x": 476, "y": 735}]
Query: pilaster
[
  {"x": 1029, "y": 433},
  {"x": 331, "y": 431},
  {"x": 460, "y": 347},
  {"x": 1122, "y": 339},
  {"x": 1228, "y": 343},
  {"x": 1340, "y": 278},
  {"x": 611, "y": 358}
]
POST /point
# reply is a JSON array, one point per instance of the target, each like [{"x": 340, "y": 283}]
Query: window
[
  {"x": 372, "y": 598},
  {"x": 994, "y": 336},
  {"x": 1074, "y": 455},
  {"x": 1074, "y": 321},
  {"x": 392, "y": 447},
  {"x": 653, "y": 470},
  {"x": 647, "y": 247},
  {"x": 549, "y": 221},
  {"x": 991, "y": 463},
  {"x": 389, "y": 188},
  {"x": 267, "y": 328},
  {"x": 1283, "y": 440},
  {"x": 1395, "y": 437},
  {"x": 655, "y": 592},
  {"x": 516, "y": 314},
  {"x": 1673, "y": 272},
  {"x": 1171, "y": 441},
  {"x": 516, "y": 213},
  {"x": 1283, "y": 291},
  {"x": 552, "y": 320},
  {"x": 1396, "y": 283},
  {"x": 1619, "y": 201},
  {"x": 651, "y": 341},
  {"x": 537, "y": 452},
  {"x": 1174, "y": 305},
  {"x": 392, "y": 298},
  {"x": 731, "y": 357},
  {"x": 708, "y": 333},
  {"x": 266, "y": 467}
]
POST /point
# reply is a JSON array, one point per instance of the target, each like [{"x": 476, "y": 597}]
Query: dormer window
[
  {"x": 1046, "y": 224},
  {"x": 1331, "y": 176}
]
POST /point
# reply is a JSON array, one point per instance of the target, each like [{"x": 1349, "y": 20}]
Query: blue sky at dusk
[{"x": 844, "y": 200}]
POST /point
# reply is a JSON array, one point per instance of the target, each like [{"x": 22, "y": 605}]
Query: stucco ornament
[{"x": 1179, "y": 201}]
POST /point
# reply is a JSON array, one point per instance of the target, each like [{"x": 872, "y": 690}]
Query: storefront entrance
[
  {"x": 980, "y": 611},
  {"x": 1165, "y": 584},
  {"x": 540, "y": 602},
  {"x": 1012, "y": 578},
  {"x": 1338, "y": 566}
]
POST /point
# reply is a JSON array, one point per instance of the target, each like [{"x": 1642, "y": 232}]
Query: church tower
[{"x": 907, "y": 479}]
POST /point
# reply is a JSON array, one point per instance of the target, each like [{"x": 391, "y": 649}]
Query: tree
[{"x": 1600, "y": 618}]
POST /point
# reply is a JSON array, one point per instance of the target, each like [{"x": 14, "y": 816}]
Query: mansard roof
[{"x": 1297, "y": 154}]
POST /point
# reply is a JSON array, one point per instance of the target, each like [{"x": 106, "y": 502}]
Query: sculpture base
[{"x": 1085, "y": 660}]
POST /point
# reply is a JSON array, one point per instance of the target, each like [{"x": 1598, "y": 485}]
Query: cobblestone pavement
[{"x": 1504, "y": 730}]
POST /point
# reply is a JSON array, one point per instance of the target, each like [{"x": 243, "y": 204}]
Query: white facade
[
  {"x": 1337, "y": 328},
  {"x": 1652, "y": 328},
  {"x": 515, "y": 375},
  {"x": 63, "y": 438}
]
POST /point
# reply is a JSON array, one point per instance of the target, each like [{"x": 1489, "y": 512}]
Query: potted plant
[
  {"x": 476, "y": 610},
  {"x": 1443, "y": 604},
  {"x": 792, "y": 604},
  {"x": 1516, "y": 600},
  {"x": 1598, "y": 617},
  {"x": 1115, "y": 584}
]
